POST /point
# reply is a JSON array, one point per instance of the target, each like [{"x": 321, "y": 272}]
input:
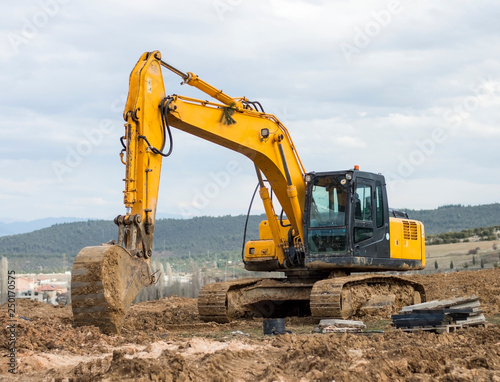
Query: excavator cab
[{"x": 346, "y": 223}]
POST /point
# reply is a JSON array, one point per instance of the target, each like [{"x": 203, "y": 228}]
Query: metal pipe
[
  {"x": 285, "y": 166},
  {"x": 175, "y": 70},
  {"x": 259, "y": 176}
]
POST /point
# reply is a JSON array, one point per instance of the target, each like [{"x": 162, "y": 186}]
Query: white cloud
[
  {"x": 377, "y": 111},
  {"x": 89, "y": 202}
]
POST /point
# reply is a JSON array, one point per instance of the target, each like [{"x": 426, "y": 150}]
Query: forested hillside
[
  {"x": 455, "y": 218},
  {"x": 54, "y": 248}
]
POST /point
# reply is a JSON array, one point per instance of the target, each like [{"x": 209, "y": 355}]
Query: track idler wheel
[{"x": 104, "y": 282}]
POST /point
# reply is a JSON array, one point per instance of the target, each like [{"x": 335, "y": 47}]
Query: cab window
[
  {"x": 327, "y": 218},
  {"x": 328, "y": 204},
  {"x": 363, "y": 228},
  {"x": 363, "y": 203},
  {"x": 380, "y": 205}
]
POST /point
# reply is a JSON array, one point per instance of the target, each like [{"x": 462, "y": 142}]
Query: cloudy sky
[{"x": 409, "y": 89}]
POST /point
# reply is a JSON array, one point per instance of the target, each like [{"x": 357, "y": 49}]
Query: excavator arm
[
  {"x": 233, "y": 124},
  {"x": 236, "y": 123},
  {"x": 106, "y": 279}
]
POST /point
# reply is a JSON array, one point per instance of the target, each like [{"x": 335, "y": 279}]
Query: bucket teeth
[{"x": 104, "y": 282}]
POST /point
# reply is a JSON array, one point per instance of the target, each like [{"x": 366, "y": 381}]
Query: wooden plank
[
  {"x": 461, "y": 302},
  {"x": 471, "y": 304},
  {"x": 342, "y": 323},
  {"x": 471, "y": 321},
  {"x": 335, "y": 329},
  {"x": 438, "y": 329},
  {"x": 431, "y": 315},
  {"x": 441, "y": 315},
  {"x": 413, "y": 322}
]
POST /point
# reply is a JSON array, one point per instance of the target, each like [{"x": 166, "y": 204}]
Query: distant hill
[
  {"x": 55, "y": 247},
  {"x": 454, "y": 218},
  {"x": 13, "y": 228}
]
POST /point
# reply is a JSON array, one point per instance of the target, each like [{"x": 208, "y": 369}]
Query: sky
[{"x": 409, "y": 89}]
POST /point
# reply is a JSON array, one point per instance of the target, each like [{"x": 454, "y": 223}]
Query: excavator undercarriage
[{"x": 336, "y": 297}]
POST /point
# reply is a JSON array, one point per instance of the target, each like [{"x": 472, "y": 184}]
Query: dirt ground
[{"x": 165, "y": 341}]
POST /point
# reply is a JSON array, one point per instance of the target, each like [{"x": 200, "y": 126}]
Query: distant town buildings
[{"x": 52, "y": 289}]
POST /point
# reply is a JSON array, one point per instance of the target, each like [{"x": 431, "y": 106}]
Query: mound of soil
[{"x": 165, "y": 341}]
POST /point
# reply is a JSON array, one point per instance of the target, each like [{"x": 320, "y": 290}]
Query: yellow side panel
[
  {"x": 265, "y": 230},
  {"x": 258, "y": 250},
  {"x": 265, "y": 249},
  {"x": 407, "y": 239}
]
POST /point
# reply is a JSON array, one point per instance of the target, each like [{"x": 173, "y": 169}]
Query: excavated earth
[{"x": 165, "y": 341}]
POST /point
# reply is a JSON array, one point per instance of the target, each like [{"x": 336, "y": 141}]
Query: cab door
[{"x": 369, "y": 221}]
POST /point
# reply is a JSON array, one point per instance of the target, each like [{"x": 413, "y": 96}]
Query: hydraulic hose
[
  {"x": 164, "y": 105},
  {"x": 246, "y": 224}
]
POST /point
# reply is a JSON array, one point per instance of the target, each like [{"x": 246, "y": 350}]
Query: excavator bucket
[{"x": 104, "y": 282}]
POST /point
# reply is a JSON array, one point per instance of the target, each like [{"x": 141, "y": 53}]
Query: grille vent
[{"x": 410, "y": 230}]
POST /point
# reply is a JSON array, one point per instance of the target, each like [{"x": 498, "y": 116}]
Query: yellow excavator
[{"x": 331, "y": 224}]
